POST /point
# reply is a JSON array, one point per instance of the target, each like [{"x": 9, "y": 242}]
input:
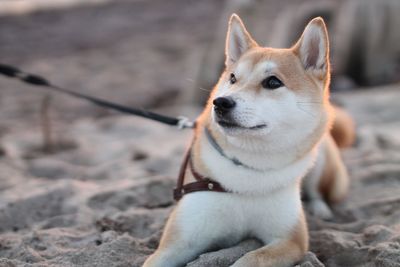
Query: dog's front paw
[
  {"x": 320, "y": 209},
  {"x": 246, "y": 261}
]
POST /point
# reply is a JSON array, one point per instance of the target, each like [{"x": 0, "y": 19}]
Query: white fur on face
[{"x": 290, "y": 117}]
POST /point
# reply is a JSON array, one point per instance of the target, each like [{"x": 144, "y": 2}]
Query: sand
[
  {"x": 103, "y": 200},
  {"x": 102, "y": 196}
]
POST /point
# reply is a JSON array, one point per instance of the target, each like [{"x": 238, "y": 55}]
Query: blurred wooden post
[
  {"x": 48, "y": 144},
  {"x": 367, "y": 41}
]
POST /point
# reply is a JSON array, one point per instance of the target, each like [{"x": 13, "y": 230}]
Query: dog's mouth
[{"x": 232, "y": 125}]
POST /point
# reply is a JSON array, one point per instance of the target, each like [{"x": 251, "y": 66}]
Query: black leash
[{"x": 15, "y": 73}]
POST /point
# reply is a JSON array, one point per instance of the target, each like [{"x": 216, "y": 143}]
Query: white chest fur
[
  {"x": 244, "y": 180},
  {"x": 264, "y": 204},
  {"x": 227, "y": 218}
]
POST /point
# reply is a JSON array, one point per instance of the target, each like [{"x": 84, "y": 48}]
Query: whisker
[
  {"x": 201, "y": 88},
  {"x": 309, "y": 102},
  {"x": 309, "y": 113},
  {"x": 207, "y": 90}
]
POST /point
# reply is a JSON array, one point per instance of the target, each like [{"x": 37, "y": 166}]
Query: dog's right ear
[{"x": 238, "y": 40}]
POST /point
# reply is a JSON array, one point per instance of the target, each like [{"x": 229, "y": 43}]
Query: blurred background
[{"x": 85, "y": 186}]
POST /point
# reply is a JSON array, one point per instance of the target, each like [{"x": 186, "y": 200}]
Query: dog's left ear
[
  {"x": 313, "y": 46},
  {"x": 238, "y": 40}
]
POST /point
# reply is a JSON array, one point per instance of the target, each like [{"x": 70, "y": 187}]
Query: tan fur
[
  {"x": 172, "y": 233},
  {"x": 170, "y": 236},
  {"x": 293, "y": 249},
  {"x": 343, "y": 129},
  {"x": 292, "y": 74},
  {"x": 300, "y": 235},
  {"x": 334, "y": 182}
]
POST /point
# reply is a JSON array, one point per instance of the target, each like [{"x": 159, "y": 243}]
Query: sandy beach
[
  {"x": 103, "y": 200},
  {"x": 101, "y": 194}
]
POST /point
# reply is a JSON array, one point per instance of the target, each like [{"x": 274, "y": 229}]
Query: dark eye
[
  {"x": 271, "y": 83},
  {"x": 232, "y": 78}
]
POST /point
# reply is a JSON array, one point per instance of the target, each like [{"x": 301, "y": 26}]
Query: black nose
[{"x": 224, "y": 104}]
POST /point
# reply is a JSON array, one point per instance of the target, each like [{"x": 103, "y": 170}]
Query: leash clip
[{"x": 184, "y": 122}]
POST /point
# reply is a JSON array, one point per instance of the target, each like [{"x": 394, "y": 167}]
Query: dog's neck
[
  {"x": 220, "y": 150},
  {"x": 259, "y": 171},
  {"x": 256, "y": 152}
]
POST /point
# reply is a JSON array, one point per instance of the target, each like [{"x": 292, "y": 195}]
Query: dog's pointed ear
[
  {"x": 238, "y": 40},
  {"x": 313, "y": 46}
]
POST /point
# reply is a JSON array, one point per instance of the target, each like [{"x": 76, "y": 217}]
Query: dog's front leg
[
  {"x": 195, "y": 225},
  {"x": 176, "y": 247},
  {"x": 280, "y": 253}
]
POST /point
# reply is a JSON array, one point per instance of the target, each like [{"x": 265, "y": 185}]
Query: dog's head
[{"x": 273, "y": 94}]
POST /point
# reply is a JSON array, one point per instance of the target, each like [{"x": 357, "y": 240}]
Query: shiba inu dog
[{"x": 265, "y": 125}]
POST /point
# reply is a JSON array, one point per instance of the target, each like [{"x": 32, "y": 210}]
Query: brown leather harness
[{"x": 201, "y": 184}]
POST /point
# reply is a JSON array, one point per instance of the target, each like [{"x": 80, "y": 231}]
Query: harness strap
[
  {"x": 202, "y": 183},
  {"x": 218, "y": 148}
]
